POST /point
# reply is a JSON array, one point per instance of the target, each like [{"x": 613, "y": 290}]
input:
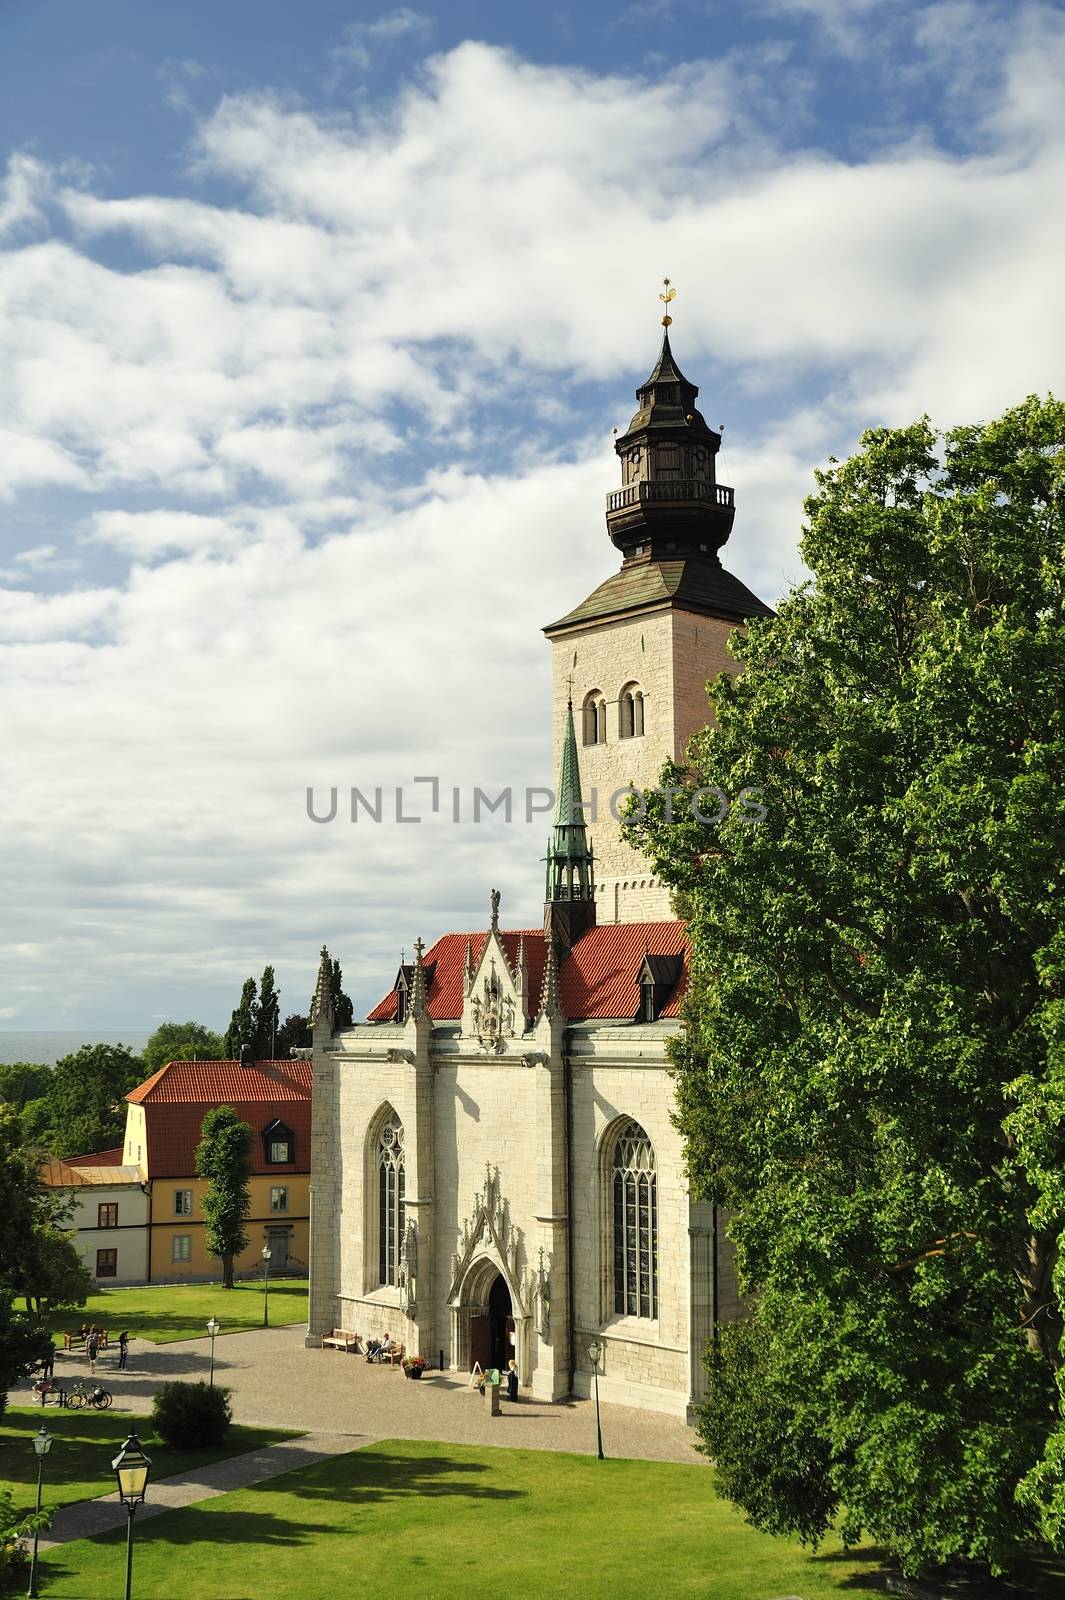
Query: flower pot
[{"x": 414, "y": 1372}]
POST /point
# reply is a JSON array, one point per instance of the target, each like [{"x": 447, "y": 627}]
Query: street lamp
[
  {"x": 42, "y": 1443},
  {"x": 595, "y": 1350},
  {"x": 132, "y": 1468},
  {"x": 213, "y": 1328},
  {"x": 266, "y": 1285}
]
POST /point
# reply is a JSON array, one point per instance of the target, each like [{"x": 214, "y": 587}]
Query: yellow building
[{"x": 163, "y": 1122}]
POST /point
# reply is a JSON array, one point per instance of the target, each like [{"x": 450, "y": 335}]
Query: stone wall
[{"x": 670, "y": 655}]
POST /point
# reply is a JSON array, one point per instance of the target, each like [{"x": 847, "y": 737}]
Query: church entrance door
[
  {"x": 501, "y": 1325},
  {"x": 480, "y": 1342}
]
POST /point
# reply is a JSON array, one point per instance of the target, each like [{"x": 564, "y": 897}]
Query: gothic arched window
[
  {"x": 635, "y": 1223},
  {"x": 594, "y": 718},
  {"x": 390, "y": 1207}
]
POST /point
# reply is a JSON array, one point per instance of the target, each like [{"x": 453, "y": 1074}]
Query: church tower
[{"x": 635, "y": 656}]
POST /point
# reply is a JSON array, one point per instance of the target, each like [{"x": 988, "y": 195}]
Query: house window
[
  {"x": 107, "y": 1263},
  {"x": 107, "y": 1217},
  {"x": 390, "y": 1181},
  {"x": 279, "y": 1198},
  {"x": 183, "y": 1202},
  {"x": 181, "y": 1247},
  {"x": 401, "y": 1005},
  {"x": 635, "y": 1224},
  {"x": 279, "y": 1143},
  {"x": 647, "y": 1001}
]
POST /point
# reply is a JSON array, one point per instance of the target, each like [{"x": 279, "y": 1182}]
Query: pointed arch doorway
[
  {"x": 484, "y": 1326},
  {"x": 492, "y": 1335}
]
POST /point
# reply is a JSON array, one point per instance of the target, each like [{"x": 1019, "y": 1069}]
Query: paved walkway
[
  {"x": 276, "y": 1382},
  {"x": 88, "y": 1517}
]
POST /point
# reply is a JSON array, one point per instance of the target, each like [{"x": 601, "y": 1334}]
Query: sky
[{"x": 315, "y": 323}]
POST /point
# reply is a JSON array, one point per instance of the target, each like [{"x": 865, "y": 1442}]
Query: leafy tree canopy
[
  {"x": 293, "y": 1034},
  {"x": 872, "y": 1076},
  {"x": 23, "y": 1081},
  {"x": 181, "y": 1041},
  {"x": 83, "y": 1108},
  {"x": 224, "y": 1157}
]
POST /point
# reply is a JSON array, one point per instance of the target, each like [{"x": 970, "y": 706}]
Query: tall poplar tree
[
  {"x": 223, "y": 1156},
  {"x": 244, "y": 1023},
  {"x": 269, "y": 1015},
  {"x": 872, "y": 1073}
]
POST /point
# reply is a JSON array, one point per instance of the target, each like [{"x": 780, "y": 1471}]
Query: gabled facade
[{"x": 163, "y": 1122}]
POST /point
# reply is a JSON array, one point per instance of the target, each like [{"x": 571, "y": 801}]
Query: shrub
[
  {"x": 190, "y": 1415},
  {"x": 14, "y": 1558}
]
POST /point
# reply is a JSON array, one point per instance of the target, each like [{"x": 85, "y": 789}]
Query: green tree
[
  {"x": 343, "y": 1010},
  {"x": 84, "y": 1108},
  {"x": 872, "y": 1074},
  {"x": 293, "y": 1034},
  {"x": 244, "y": 1023},
  {"x": 182, "y": 1041},
  {"x": 56, "y": 1276},
  {"x": 23, "y": 1081},
  {"x": 269, "y": 1016},
  {"x": 223, "y": 1156},
  {"x": 24, "y": 1343}
]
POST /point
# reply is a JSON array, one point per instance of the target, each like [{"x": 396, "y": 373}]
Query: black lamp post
[
  {"x": 42, "y": 1443},
  {"x": 132, "y": 1468},
  {"x": 595, "y": 1350},
  {"x": 266, "y": 1285},
  {"x": 213, "y": 1327}
]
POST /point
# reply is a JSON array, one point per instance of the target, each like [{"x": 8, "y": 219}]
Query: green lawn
[
  {"x": 181, "y": 1311},
  {"x": 418, "y": 1519},
  {"x": 78, "y": 1466}
]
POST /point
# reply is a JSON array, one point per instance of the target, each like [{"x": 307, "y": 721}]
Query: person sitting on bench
[{"x": 379, "y": 1349}]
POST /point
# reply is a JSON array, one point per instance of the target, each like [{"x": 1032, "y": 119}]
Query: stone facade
[
  {"x": 508, "y": 1173},
  {"x": 670, "y": 655}
]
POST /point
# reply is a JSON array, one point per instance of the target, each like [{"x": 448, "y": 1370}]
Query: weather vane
[{"x": 670, "y": 294}]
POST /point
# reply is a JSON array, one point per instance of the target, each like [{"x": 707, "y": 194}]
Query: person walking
[
  {"x": 123, "y": 1350},
  {"x": 512, "y": 1380},
  {"x": 92, "y": 1348},
  {"x": 48, "y": 1364}
]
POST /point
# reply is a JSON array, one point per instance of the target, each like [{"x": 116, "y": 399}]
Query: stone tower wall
[{"x": 670, "y": 655}]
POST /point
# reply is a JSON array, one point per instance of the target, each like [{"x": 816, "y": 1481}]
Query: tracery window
[
  {"x": 390, "y": 1180},
  {"x": 635, "y": 1224},
  {"x": 594, "y": 718},
  {"x": 630, "y": 712}
]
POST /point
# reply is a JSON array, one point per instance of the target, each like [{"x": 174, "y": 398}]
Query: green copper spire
[{"x": 570, "y": 869}]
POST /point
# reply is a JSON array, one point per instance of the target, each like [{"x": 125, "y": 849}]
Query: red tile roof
[
  {"x": 599, "y": 977},
  {"x": 101, "y": 1158},
  {"x": 177, "y": 1098}
]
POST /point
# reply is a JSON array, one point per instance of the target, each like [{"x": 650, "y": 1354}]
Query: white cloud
[
  {"x": 24, "y": 184},
  {"x": 236, "y": 414},
  {"x": 361, "y": 40}
]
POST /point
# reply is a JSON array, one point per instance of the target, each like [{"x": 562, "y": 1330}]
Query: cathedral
[{"x": 495, "y": 1174}]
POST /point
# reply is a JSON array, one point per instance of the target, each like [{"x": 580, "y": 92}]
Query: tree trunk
[
  {"x": 1040, "y": 1314},
  {"x": 227, "y": 1272}
]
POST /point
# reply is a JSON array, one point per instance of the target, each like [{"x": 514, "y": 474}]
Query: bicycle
[{"x": 98, "y": 1397}]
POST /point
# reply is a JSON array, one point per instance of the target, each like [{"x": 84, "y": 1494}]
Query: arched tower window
[
  {"x": 391, "y": 1219},
  {"x": 594, "y": 717},
  {"x": 630, "y": 712},
  {"x": 635, "y": 1186}
]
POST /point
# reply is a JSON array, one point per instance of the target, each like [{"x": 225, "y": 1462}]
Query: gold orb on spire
[{"x": 670, "y": 294}]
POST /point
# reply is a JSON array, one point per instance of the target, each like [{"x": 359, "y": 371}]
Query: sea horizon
[{"x": 46, "y": 1046}]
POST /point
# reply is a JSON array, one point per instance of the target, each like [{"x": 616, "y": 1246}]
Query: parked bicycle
[{"x": 81, "y": 1395}]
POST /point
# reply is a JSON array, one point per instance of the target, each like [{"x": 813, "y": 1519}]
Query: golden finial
[{"x": 670, "y": 294}]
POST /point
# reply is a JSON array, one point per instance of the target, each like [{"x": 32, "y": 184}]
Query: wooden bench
[
  {"x": 395, "y": 1356},
  {"x": 340, "y": 1339},
  {"x": 76, "y": 1340}
]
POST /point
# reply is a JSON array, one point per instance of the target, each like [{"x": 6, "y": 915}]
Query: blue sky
[{"x": 314, "y": 324}]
